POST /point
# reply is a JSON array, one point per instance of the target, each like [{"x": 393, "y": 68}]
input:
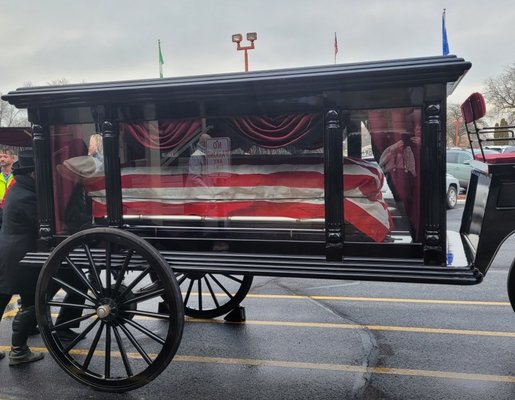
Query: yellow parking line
[
  {"x": 327, "y": 325},
  {"x": 11, "y": 307},
  {"x": 312, "y": 366},
  {"x": 348, "y": 368},
  {"x": 10, "y": 313},
  {"x": 366, "y": 299},
  {"x": 380, "y": 299},
  {"x": 324, "y": 325}
]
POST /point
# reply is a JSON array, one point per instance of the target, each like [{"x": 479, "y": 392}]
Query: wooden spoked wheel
[
  {"x": 511, "y": 285},
  {"x": 98, "y": 282},
  {"x": 209, "y": 295}
]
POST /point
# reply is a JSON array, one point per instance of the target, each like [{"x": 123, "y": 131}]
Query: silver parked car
[
  {"x": 458, "y": 163},
  {"x": 452, "y": 185},
  {"x": 453, "y": 189}
]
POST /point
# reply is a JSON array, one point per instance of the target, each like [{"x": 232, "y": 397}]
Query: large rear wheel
[
  {"x": 511, "y": 285},
  {"x": 98, "y": 282}
]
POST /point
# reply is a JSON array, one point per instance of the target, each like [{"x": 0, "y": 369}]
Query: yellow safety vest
[{"x": 4, "y": 184}]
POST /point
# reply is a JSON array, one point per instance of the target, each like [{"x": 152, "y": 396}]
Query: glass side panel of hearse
[
  {"x": 256, "y": 177},
  {"x": 261, "y": 176}
]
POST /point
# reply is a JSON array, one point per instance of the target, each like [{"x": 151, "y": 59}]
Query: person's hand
[
  {"x": 416, "y": 140},
  {"x": 392, "y": 157}
]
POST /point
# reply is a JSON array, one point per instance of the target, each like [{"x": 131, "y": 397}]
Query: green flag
[{"x": 161, "y": 61}]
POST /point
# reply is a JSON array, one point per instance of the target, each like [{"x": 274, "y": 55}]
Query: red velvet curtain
[
  {"x": 274, "y": 132},
  {"x": 165, "y": 135},
  {"x": 396, "y": 134}
]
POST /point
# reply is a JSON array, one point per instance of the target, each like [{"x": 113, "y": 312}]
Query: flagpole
[
  {"x": 335, "y": 47},
  {"x": 161, "y": 61},
  {"x": 445, "y": 43}
]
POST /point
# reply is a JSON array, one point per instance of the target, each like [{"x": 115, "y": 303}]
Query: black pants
[
  {"x": 26, "y": 299},
  {"x": 23, "y": 321}
]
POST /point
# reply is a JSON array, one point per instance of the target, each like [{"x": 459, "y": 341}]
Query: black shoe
[
  {"x": 2, "y": 355},
  {"x": 25, "y": 358},
  {"x": 67, "y": 335}
]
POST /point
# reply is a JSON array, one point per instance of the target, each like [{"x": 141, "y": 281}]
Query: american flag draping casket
[{"x": 250, "y": 188}]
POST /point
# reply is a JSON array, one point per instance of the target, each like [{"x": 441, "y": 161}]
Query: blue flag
[{"x": 445, "y": 43}]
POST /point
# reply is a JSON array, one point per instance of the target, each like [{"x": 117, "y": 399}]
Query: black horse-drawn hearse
[{"x": 164, "y": 197}]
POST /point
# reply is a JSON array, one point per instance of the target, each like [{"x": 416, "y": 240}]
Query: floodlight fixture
[{"x": 251, "y": 37}]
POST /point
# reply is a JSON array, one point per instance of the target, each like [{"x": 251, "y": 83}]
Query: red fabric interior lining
[
  {"x": 473, "y": 108},
  {"x": 501, "y": 158}
]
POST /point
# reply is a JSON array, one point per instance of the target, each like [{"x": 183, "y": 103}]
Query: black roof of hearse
[{"x": 362, "y": 76}]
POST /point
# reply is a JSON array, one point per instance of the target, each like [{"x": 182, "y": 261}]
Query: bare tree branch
[{"x": 500, "y": 92}]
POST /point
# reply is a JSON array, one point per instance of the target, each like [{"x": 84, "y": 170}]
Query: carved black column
[
  {"x": 433, "y": 204},
  {"x": 112, "y": 175},
  {"x": 44, "y": 185},
  {"x": 333, "y": 186}
]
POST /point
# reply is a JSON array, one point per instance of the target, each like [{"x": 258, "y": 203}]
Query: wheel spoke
[
  {"x": 73, "y": 289},
  {"x": 82, "y": 276},
  {"x": 123, "y": 270},
  {"x": 123, "y": 352},
  {"x": 108, "y": 273},
  {"x": 182, "y": 279},
  {"x": 233, "y": 278},
  {"x": 221, "y": 286},
  {"x": 93, "y": 345},
  {"x": 135, "y": 343},
  {"x": 151, "y": 285},
  {"x": 107, "y": 365},
  {"x": 213, "y": 296},
  {"x": 187, "y": 297},
  {"x": 143, "y": 297},
  {"x": 72, "y": 344},
  {"x": 144, "y": 330},
  {"x": 135, "y": 282},
  {"x": 199, "y": 285},
  {"x": 147, "y": 314},
  {"x": 72, "y": 322},
  {"x": 93, "y": 267},
  {"x": 69, "y": 305}
]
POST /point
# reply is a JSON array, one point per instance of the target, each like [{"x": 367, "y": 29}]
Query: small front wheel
[{"x": 210, "y": 295}]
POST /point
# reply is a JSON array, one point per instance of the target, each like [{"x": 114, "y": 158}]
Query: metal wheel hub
[
  {"x": 107, "y": 309},
  {"x": 194, "y": 276},
  {"x": 103, "y": 311}
]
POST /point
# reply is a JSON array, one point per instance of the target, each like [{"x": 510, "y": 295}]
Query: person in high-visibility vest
[
  {"x": 9, "y": 185},
  {"x": 6, "y": 177},
  {"x": 6, "y": 161}
]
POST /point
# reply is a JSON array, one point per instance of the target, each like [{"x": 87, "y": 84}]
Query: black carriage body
[{"x": 335, "y": 171}]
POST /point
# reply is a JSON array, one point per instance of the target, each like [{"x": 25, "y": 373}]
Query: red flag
[{"x": 335, "y": 46}]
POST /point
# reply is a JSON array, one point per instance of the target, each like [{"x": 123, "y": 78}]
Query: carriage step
[{"x": 395, "y": 270}]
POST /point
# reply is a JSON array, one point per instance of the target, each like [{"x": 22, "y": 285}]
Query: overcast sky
[{"x": 105, "y": 40}]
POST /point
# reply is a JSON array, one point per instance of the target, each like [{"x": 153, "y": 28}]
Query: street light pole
[
  {"x": 457, "y": 124},
  {"x": 251, "y": 37}
]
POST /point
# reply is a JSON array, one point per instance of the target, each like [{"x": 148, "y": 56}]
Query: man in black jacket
[{"x": 17, "y": 237}]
